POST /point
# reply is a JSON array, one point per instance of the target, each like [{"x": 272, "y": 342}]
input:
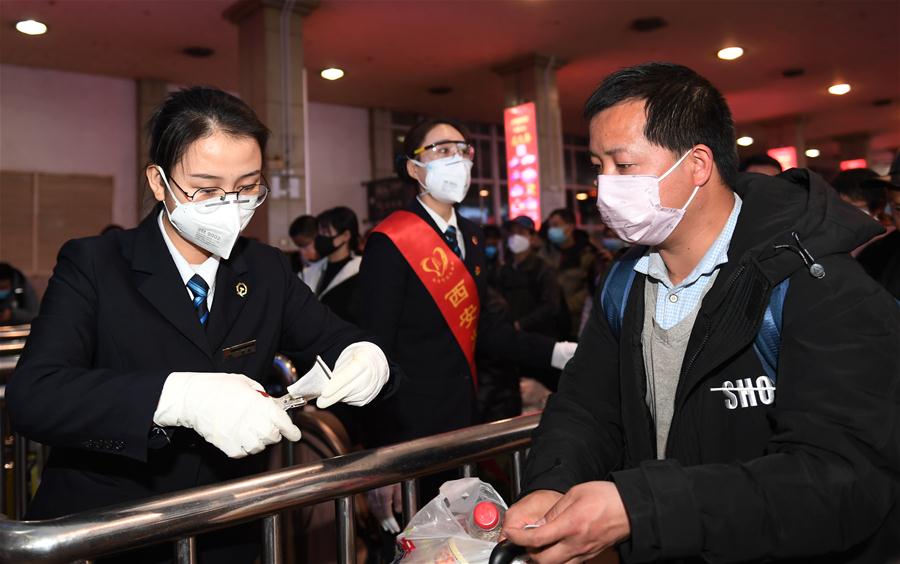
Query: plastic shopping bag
[{"x": 443, "y": 531}]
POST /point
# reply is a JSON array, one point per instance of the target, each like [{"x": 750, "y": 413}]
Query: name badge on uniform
[{"x": 239, "y": 350}]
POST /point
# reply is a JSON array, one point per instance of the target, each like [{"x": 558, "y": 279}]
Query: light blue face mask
[
  {"x": 5, "y": 294},
  {"x": 556, "y": 235},
  {"x": 490, "y": 251}
]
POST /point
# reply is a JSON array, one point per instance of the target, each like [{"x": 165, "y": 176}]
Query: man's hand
[
  {"x": 530, "y": 509},
  {"x": 589, "y": 519}
]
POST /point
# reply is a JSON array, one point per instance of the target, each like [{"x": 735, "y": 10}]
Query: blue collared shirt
[{"x": 674, "y": 302}]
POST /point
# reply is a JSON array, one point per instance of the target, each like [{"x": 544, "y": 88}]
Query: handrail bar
[{"x": 172, "y": 516}]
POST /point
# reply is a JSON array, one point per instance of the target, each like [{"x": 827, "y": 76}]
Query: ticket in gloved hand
[{"x": 311, "y": 384}]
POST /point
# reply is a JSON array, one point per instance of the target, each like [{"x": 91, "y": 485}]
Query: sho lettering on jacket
[{"x": 743, "y": 393}]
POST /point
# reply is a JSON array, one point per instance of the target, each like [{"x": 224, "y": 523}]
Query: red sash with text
[{"x": 442, "y": 272}]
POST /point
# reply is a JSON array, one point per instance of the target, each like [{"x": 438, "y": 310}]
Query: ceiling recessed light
[
  {"x": 484, "y": 193},
  {"x": 745, "y": 141},
  {"x": 839, "y": 89},
  {"x": 198, "y": 52},
  {"x": 581, "y": 196},
  {"x": 31, "y": 27},
  {"x": 332, "y": 73},
  {"x": 440, "y": 90},
  {"x": 730, "y": 53},
  {"x": 812, "y": 153},
  {"x": 651, "y": 23},
  {"x": 793, "y": 72}
]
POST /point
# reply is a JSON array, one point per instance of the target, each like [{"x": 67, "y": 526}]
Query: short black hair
[
  {"x": 492, "y": 232},
  {"x": 852, "y": 184},
  {"x": 564, "y": 214},
  {"x": 416, "y": 135},
  {"x": 7, "y": 272},
  {"x": 683, "y": 109},
  {"x": 760, "y": 159},
  {"x": 194, "y": 113},
  {"x": 341, "y": 219},
  {"x": 305, "y": 225}
]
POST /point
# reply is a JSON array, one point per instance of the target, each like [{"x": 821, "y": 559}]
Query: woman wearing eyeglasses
[
  {"x": 144, "y": 367},
  {"x": 421, "y": 288}
]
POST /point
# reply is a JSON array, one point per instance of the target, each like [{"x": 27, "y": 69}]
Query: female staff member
[
  {"x": 143, "y": 368},
  {"x": 421, "y": 287},
  {"x": 334, "y": 278}
]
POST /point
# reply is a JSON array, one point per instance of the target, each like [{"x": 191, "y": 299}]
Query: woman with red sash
[{"x": 421, "y": 288}]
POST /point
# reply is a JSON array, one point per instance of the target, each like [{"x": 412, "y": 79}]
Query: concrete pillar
[
  {"x": 533, "y": 79},
  {"x": 270, "y": 47},
  {"x": 150, "y": 94},
  {"x": 381, "y": 140}
]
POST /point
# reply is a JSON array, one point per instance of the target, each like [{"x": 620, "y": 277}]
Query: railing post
[
  {"x": 272, "y": 540},
  {"x": 346, "y": 540},
  {"x": 409, "y": 497},
  {"x": 516, "y": 475},
  {"x": 468, "y": 470},
  {"x": 186, "y": 550},
  {"x": 20, "y": 474},
  {"x": 3, "y": 507}
]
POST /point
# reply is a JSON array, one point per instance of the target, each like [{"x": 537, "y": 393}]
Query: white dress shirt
[
  {"x": 443, "y": 224},
  {"x": 207, "y": 270}
]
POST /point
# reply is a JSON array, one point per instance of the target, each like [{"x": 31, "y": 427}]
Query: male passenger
[{"x": 667, "y": 436}]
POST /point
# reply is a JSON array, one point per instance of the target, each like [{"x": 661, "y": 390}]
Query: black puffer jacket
[{"x": 813, "y": 475}]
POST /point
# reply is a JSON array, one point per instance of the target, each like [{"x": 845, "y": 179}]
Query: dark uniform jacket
[
  {"x": 115, "y": 321},
  {"x": 438, "y": 393},
  {"x": 812, "y": 474}
]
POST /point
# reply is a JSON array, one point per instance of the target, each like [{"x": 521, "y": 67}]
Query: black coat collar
[{"x": 157, "y": 279}]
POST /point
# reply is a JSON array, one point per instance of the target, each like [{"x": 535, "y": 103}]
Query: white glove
[
  {"x": 359, "y": 374},
  {"x": 563, "y": 351},
  {"x": 230, "y": 411},
  {"x": 384, "y": 502}
]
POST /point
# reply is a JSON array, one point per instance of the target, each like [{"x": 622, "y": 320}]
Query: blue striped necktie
[
  {"x": 199, "y": 289},
  {"x": 452, "y": 241}
]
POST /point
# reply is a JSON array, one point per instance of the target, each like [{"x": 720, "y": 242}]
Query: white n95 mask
[
  {"x": 518, "y": 243},
  {"x": 447, "y": 179},
  {"x": 629, "y": 205},
  {"x": 211, "y": 225}
]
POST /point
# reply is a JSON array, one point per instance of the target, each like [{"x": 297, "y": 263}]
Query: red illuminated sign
[
  {"x": 522, "y": 171},
  {"x": 853, "y": 163},
  {"x": 786, "y": 156}
]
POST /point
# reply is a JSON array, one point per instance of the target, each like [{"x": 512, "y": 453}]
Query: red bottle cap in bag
[{"x": 486, "y": 515}]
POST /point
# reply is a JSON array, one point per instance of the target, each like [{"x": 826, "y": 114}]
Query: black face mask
[{"x": 325, "y": 245}]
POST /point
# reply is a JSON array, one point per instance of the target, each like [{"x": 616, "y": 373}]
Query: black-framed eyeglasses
[
  {"x": 447, "y": 148},
  {"x": 247, "y": 197}
]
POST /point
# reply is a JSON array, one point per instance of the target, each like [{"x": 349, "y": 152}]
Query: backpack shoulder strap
[
  {"x": 614, "y": 294},
  {"x": 768, "y": 340}
]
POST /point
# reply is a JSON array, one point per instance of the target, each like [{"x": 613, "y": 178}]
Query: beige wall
[{"x": 69, "y": 123}]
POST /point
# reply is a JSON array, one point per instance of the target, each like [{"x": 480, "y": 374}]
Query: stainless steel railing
[{"x": 183, "y": 515}]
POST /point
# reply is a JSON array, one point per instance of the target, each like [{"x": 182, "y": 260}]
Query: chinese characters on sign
[{"x": 522, "y": 168}]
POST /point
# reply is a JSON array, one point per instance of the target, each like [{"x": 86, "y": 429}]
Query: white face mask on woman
[
  {"x": 213, "y": 226},
  {"x": 630, "y": 206},
  {"x": 447, "y": 179}
]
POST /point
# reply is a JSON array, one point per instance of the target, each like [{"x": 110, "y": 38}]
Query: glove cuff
[{"x": 171, "y": 401}]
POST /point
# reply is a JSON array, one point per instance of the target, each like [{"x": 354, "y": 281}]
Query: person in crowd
[
  {"x": 573, "y": 256},
  {"x": 111, "y": 227},
  {"x": 422, "y": 292},
  {"x": 530, "y": 286},
  {"x": 334, "y": 278},
  {"x": 867, "y": 198},
  {"x": 674, "y": 437},
  {"x": 761, "y": 163},
  {"x": 493, "y": 253},
  {"x": 18, "y": 300},
  {"x": 881, "y": 259},
  {"x": 303, "y": 231},
  {"x": 144, "y": 369}
]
